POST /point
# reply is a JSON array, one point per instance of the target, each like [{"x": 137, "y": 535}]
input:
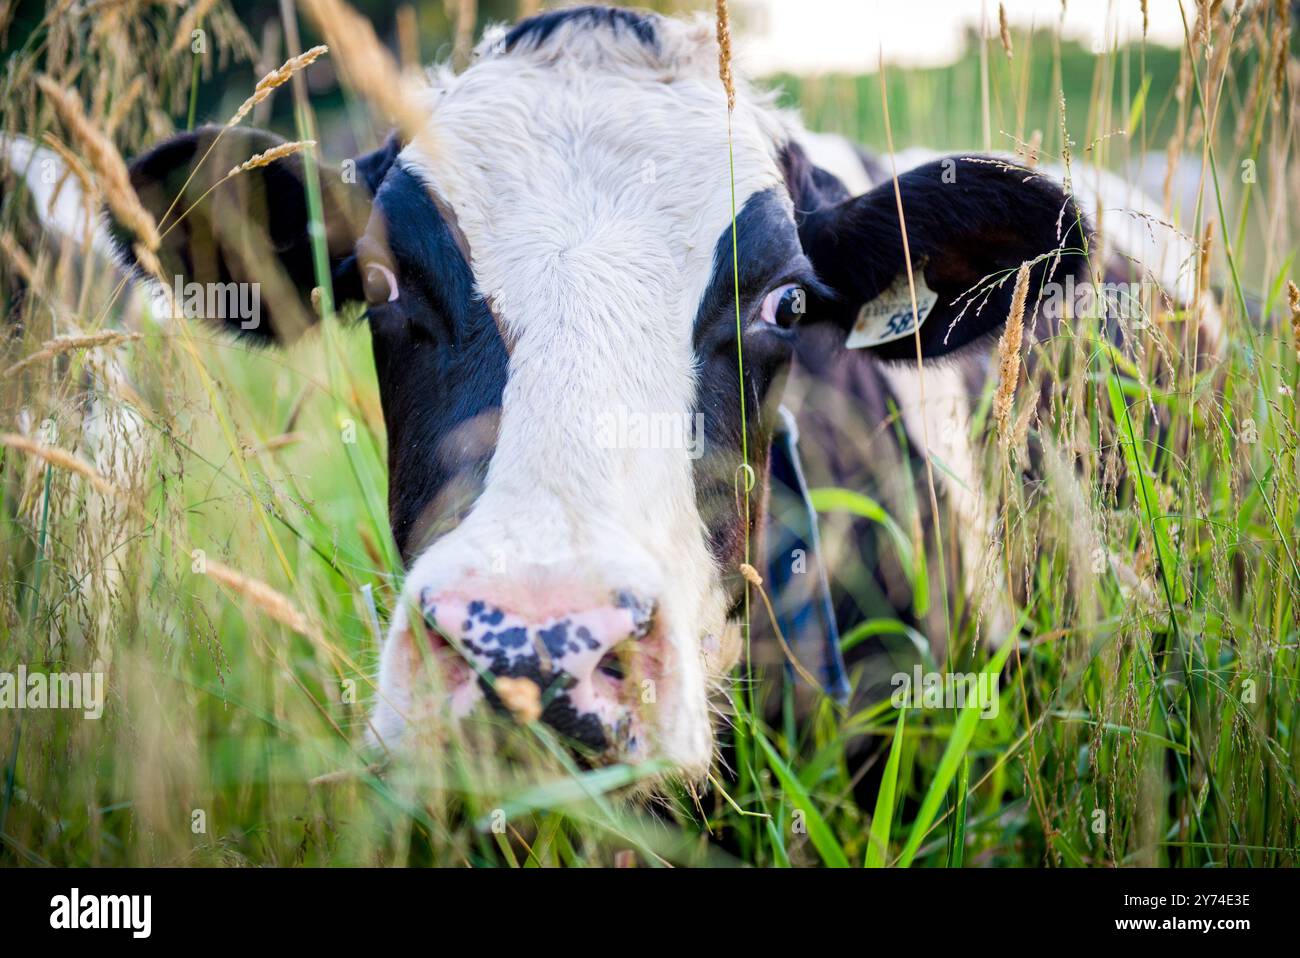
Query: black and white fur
[{"x": 556, "y": 243}]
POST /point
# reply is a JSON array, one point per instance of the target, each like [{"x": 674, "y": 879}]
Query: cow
[{"x": 589, "y": 289}]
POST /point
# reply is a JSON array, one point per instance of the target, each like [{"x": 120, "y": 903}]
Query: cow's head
[{"x": 548, "y": 273}]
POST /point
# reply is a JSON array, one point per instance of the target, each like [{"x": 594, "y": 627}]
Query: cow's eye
[
  {"x": 379, "y": 284},
  {"x": 784, "y": 306}
]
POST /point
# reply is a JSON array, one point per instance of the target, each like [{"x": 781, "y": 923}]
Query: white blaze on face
[{"x": 590, "y": 180}]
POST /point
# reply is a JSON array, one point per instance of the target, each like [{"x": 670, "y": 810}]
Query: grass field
[{"x": 235, "y": 581}]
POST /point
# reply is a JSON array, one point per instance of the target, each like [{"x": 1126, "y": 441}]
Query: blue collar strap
[{"x": 800, "y": 591}]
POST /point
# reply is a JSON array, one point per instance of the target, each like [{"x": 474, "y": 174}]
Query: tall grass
[{"x": 235, "y": 580}]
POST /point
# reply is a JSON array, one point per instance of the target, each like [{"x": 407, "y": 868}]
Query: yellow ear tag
[{"x": 889, "y": 316}]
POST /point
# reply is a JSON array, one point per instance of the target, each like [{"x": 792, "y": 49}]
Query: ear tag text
[{"x": 889, "y": 316}]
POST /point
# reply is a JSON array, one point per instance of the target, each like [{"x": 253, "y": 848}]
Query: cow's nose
[{"x": 592, "y": 665}]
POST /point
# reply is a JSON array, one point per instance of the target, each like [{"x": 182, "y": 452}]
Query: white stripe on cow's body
[{"x": 591, "y": 189}]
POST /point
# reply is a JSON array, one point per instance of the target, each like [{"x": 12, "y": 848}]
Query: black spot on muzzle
[{"x": 557, "y": 710}]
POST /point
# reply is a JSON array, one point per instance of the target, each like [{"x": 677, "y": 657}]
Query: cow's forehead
[{"x": 601, "y": 151}]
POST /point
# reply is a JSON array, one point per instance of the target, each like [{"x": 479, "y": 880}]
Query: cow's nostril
[
  {"x": 612, "y": 665},
  {"x": 624, "y": 658}
]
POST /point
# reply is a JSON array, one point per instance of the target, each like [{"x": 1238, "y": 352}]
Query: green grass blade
[
  {"x": 960, "y": 741},
  {"x": 834, "y": 499},
  {"x": 957, "y": 848},
  {"x": 883, "y": 817},
  {"x": 823, "y": 839}
]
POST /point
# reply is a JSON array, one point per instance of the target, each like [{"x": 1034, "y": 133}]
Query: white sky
[{"x": 811, "y": 36}]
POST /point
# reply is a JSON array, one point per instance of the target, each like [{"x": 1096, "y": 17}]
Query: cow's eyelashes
[
  {"x": 783, "y": 306},
  {"x": 379, "y": 283}
]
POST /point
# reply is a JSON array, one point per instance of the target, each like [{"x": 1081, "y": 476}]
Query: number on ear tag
[{"x": 889, "y": 316}]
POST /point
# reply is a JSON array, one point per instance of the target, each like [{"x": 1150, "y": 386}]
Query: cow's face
[
  {"x": 548, "y": 273},
  {"x": 559, "y": 376}
]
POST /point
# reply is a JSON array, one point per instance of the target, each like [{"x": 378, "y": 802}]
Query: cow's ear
[
  {"x": 251, "y": 227},
  {"x": 971, "y": 222}
]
